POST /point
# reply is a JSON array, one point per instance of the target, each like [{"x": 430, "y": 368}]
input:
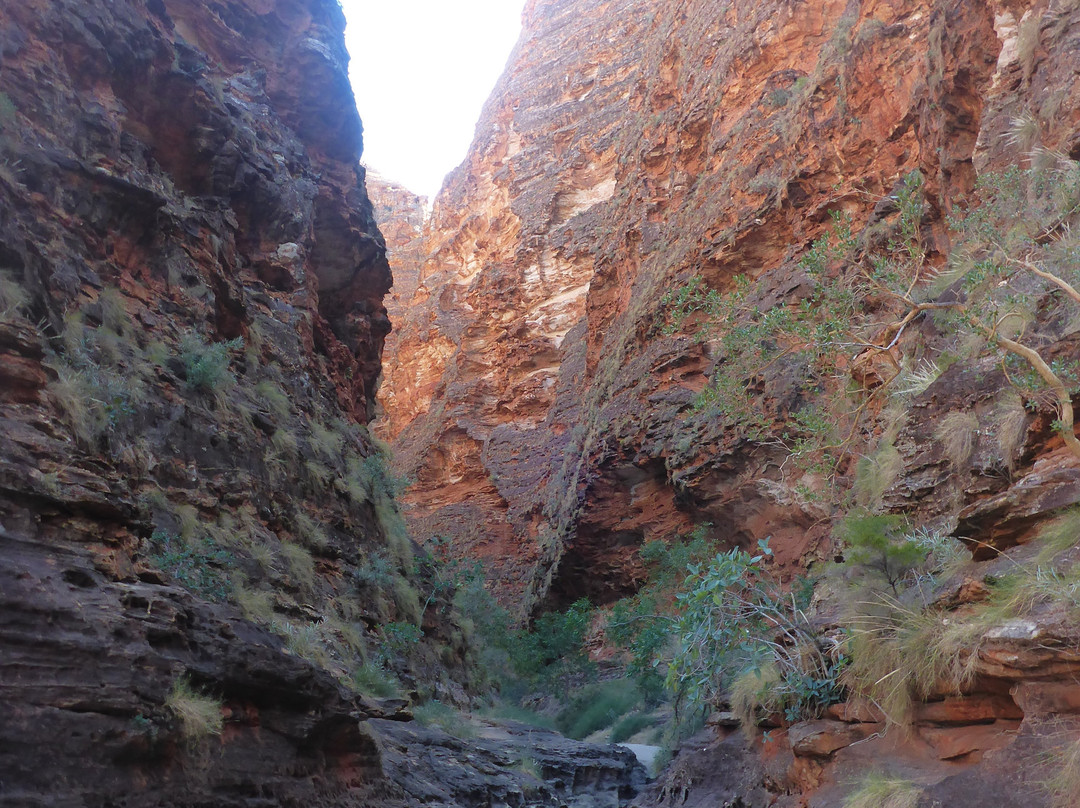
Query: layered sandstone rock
[
  {"x": 192, "y": 279},
  {"x": 532, "y": 394},
  {"x": 541, "y": 396},
  {"x": 401, "y": 216}
]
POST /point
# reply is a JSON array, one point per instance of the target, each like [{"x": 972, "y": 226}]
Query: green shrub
[
  {"x": 879, "y": 546},
  {"x": 374, "y": 571},
  {"x": 597, "y": 707},
  {"x": 737, "y": 624},
  {"x": 642, "y": 624},
  {"x": 199, "y": 567},
  {"x": 206, "y": 365},
  {"x": 554, "y": 646},
  {"x": 399, "y": 639},
  {"x": 630, "y": 726}
]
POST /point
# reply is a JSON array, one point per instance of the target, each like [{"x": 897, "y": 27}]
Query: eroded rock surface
[
  {"x": 542, "y": 397},
  {"x": 507, "y": 764},
  {"x": 533, "y": 390},
  {"x": 191, "y": 267}
]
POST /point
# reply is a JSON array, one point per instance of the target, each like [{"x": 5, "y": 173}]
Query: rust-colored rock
[
  {"x": 822, "y": 737},
  {"x": 543, "y": 397},
  {"x": 541, "y": 411}
]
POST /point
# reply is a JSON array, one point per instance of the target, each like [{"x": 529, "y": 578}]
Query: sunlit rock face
[
  {"x": 492, "y": 344},
  {"x": 401, "y": 216},
  {"x": 542, "y": 414},
  {"x": 542, "y": 399}
]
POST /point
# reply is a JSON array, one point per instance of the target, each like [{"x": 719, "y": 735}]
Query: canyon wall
[
  {"x": 192, "y": 511},
  {"x": 536, "y": 396},
  {"x": 548, "y": 392}
]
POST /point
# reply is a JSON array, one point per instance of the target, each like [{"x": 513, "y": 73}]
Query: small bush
[
  {"x": 878, "y": 545},
  {"x": 206, "y": 365},
  {"x": 199, "y": 715},
  {"x": 642, "y": 624},
  {"x": 399, "y": 639},
  {"x": 630, "y": 726},
  {"x": 373, "y": 680},
  {"x": 554, "y": 646},
  {"x": 374, "y": 571},
  {"x": 199, "y": 567},
  {"x": 597, "y": 707},
  {"x": 733, "y": 611},
  {"x": 437, "y": 714},
  {"x": 98, "y": 403}
]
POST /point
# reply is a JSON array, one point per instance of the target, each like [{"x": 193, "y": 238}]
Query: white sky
[{"x": 421, "y": 71}]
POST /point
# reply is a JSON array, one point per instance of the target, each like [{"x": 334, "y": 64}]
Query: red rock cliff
[
  {"x": 541, "y": 395},
  {"x": 191, "y": 324},
  {"x": 624, "y": 151}
]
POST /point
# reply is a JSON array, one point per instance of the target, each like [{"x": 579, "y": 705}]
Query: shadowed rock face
[
  {"x": 507, "y": 763},
  {"x": 175, "y": 168},
  {"x": 191, "y": 324}
]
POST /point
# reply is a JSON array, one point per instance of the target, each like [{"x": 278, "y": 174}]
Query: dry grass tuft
[
  {"x": 277, "y": 403},
  {"x": 311, "y": 533},
  {"x": 901, "y": 654},
  {"x": 1064, "y": 787},
  {"x": 300, "y": 565},
  {"x": 13, "y": 298},
  {"x": 915, "y": 381},
  {"x": 1010, "y": 420},
  {"x": 1061, "y": 534},
  {"x": 874, "y": 474},
  {"x": 957, "y": 432},
  {"x": 257, "y": 605},
  {"x": 750, "y": 692},
  {"x": 199, "y": 715},
  {"x": 880, "y": 791}
]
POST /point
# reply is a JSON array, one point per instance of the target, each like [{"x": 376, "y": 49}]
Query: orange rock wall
[{"x": 530, "y": 396}]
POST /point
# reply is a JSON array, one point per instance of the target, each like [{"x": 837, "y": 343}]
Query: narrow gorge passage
[{"x": 708, "y": 439}]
